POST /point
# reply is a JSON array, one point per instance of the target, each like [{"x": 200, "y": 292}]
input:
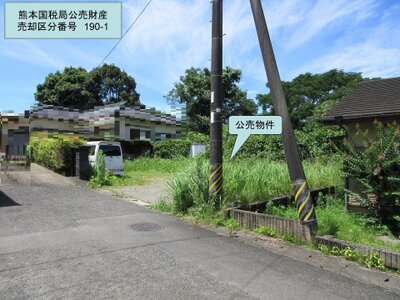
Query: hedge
[{"x": 54, "y": 153}]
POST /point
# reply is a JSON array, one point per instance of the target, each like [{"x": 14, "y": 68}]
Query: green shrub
[
  {"x": 377, "y": 167},
  {"x": 371, "y": 261},
  {"x": 232, "y": 225},
  {"x": 190, "y": 186},
  {"x": 171, "y": 148},
  {"x": 265, "y": 230},
  {"x": 313, "y": 143},
  {"x": 54, "y": 153},
  {"x": 174, "y": 148},
  {"x": 100, "y": 176}
]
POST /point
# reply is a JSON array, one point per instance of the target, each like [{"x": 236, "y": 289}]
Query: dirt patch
[{"x": 151, "y": 192}]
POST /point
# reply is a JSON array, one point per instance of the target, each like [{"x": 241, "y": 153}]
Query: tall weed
[{"x": 246, "y": 181}]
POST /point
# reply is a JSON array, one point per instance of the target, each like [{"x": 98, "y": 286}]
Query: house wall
[
  {"x": 108, "y": 122},
  {"x": 357, "y": 140},
  {"x": 363, "y": 125},
  {"x": 14, "y": 137}
]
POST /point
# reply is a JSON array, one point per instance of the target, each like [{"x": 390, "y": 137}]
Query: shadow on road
[{"x": 7, "y": 201}]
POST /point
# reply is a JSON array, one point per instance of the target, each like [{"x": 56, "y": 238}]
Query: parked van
[{"x": 112, "y": 156}]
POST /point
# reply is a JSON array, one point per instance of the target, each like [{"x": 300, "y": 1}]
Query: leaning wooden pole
[
  {"x": 215, "y": 180},
  {"x": 304, "y": 203}
]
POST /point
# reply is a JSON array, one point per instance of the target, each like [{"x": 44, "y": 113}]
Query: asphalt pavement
[{"x": 60, "y": 241}]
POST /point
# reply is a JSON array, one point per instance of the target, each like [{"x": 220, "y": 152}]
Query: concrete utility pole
[
  {"x": 304, "y": 203},
  {"x": 215, "y": 180}
]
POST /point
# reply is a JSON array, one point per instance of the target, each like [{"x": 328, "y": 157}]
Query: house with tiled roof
[{"x": 371, "y": 100}]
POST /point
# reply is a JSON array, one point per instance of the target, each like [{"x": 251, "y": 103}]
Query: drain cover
[{"x": 145, "y": 226}]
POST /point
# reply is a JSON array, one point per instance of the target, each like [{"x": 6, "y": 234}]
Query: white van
[{"x": 112, "y": 156}]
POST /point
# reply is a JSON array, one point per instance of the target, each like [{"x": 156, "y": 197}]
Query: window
[
  {"x": 116, "y": 127},
  {"x": 135, "y": 134},
  {"x": 110, "y": 150}
]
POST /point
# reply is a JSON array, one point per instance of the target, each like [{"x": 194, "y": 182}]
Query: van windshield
[{"x": 110, "y": 150}]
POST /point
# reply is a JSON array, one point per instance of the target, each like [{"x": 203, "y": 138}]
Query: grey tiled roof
[{"x": 371, "y": 99}]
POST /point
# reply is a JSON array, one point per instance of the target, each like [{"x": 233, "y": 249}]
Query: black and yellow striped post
[
  {"x": 301, "y": 189},
  {"x": 215, "y": 180},
  {"x": 304, "y": 205}
]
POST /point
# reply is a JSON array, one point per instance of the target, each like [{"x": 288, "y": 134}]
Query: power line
[
  {"x": 133, "y": 23},
  {"x": 115, "y": 46}
]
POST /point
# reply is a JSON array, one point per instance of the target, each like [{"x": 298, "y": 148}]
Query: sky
[{"x": 174, "y": 35}]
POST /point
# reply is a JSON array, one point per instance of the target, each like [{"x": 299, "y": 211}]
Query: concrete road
[{"x": 68, "y": 242}]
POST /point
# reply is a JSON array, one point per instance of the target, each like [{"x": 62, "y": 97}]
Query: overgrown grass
[
  {"x": 333, "y": 220},
  {"x": 252, "y": 180},
  {"x": 142, "y": 170},
  {"x": 246, "y": 181}
]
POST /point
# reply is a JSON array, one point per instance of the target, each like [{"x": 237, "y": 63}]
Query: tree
[
  {"x": 113, "y": 85},
  {"x": 70, "y": 88},
  {"x": 312, "y": 94},
  {"x": 77, "y": 88},
  {"x": 193, "y": 89}
]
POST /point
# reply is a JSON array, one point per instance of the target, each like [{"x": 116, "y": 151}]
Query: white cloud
[
  {"x": 371, "y": 60},
  {"x": 328, "y": 12},
  {"x": 175, "y": 34},
  {"x": 28, "y": 51}
]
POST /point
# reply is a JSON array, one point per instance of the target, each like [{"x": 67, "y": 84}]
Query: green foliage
[
  {"x": 336, "y": 251},
  {"x": 314, "y": 140},
  {"x": 313, "y": 143},
  {"x": 371, "y": 261},
  {"x": 281, "y": 211},
  {"x": 135, "y": 149},
  {"x": 54, "y": 153},
  {"x": 111, "y": 85},
  {"x": 190, "y": 186},
  {"x": 374, "y": 261},
  {"x": 307, "y": 92},
  {"x": 143, "y": 169},
  {"x": 58, "y": 89},
  {"x": 323, "y": 248},
  {"x": 333, "y": 220},
  {"x": 232, "y": 225},
  {"x": 377, "y": 167},
  {"x": 291, "y": 239},
  {"x": 178, "y": 148},
  {"x": 172, "y": 148},
  {"x": 257, "y": 146},
  {"x": 75, "y": 87},
  {"x": 193, "y": 89},
  {"x": 155, "y": 165},
  {"x": 100, "y": 176},
  {"x": 246, "y": 181},
  {"x": 163, "y": 206},
  {"x": 206, "y": 215},
  {"x": 265, "y": 230}
]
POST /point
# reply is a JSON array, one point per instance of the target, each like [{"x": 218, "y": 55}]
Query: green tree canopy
[
  {"x": 77, "y": 88},
  {"x": 311, "y": 95},
  {"x": 69, "y": 88},
  {"x": 193, "y": 89},
  {"x": 113, "y": 85}
]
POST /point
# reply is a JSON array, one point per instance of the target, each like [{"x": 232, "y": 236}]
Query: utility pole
[
  {"x": 301, "y": 190},
  {"x": 215, "y": 179}
]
